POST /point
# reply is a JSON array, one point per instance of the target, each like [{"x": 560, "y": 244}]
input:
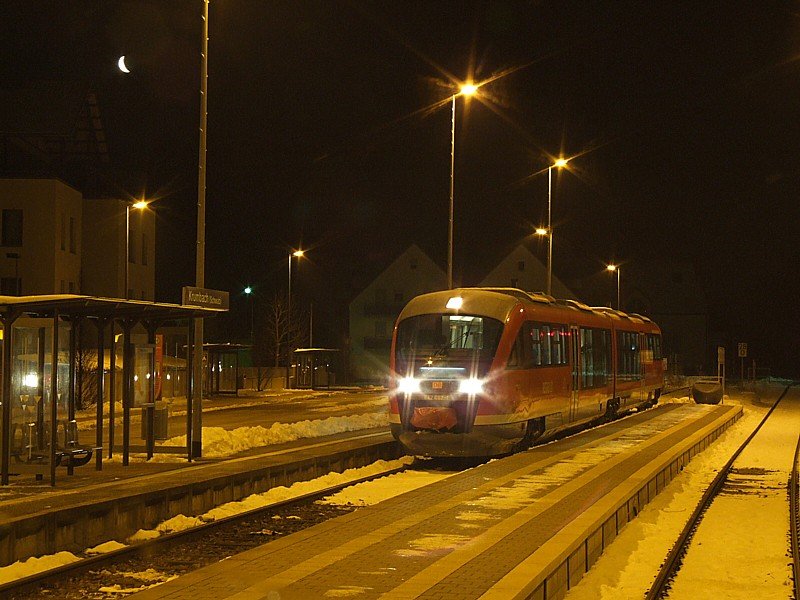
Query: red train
[{"x": 484, "y": 371}]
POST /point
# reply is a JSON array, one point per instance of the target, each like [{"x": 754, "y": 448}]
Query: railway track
[
  {"x": 672, "y": 564},
  {"x": 114, "y": 573}
]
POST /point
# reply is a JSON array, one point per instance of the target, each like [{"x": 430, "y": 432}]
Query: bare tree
[{"x": 283, "y": 332}]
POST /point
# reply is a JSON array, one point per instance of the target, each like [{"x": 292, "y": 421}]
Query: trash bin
[{"x": 160, "y": 422}]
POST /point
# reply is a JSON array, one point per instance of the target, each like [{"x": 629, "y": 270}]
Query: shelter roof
[{"x": 91, "y": 306}]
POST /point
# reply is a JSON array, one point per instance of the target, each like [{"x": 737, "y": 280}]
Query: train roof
[{"x": 498, "y": 301}]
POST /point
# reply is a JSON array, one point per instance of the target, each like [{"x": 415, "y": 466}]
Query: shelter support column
[
  {"x": 127, "y": 390},
  {"x": 54, "y": 400},
  {"x": 5, "y": 435},
  {"x": 189, "y": 389},
  {"x": 101, "y": 359}
]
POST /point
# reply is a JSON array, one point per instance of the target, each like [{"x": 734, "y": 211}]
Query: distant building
[
  {"x": 669, "y": 292},
  {"x": 52, "y": 129},
  {"x": 374, "y": 311},
  {"x": 40, "y": 239},
  {"x": 521, "y": 269},
  {"x": 104, "y": 249},
  {"x": 52, "y": 241}
]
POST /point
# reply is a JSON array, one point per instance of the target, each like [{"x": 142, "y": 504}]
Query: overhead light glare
[{"x": 455, "y": 302}]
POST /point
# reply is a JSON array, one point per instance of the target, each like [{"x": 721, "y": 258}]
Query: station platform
[
  {"x": 525, "y": 526},
  {"x": 37, "y": 519}
]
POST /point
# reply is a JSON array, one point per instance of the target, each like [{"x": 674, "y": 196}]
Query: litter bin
[{"x": 160, "y": 422}]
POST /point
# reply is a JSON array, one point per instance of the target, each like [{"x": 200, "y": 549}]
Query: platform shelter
[{"x": 47, "y": 343}]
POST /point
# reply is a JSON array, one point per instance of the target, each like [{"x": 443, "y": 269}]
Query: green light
[{"x": 248, "y": 290}]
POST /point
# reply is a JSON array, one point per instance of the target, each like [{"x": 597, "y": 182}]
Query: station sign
[
  {"x": 204, "y": 298},
  {"x": 742, "y": 349},
  {"x": 721, "y": 355}
]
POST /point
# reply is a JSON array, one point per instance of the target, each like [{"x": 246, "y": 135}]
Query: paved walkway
[{"x": 487, "y": 532}]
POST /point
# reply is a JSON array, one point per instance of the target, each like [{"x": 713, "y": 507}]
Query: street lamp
[
  {"x": 468, "y": 89},
  {"x": 298, "y": 254},
  {"x": 558, "y": 164},
  {"x": 611, "y": 269},
  {"x": 196, "y": 442},
  {"x": 248, "y": 291},
  {"x": 139, "y": 204}
]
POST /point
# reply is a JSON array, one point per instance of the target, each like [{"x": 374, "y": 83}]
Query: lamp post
[
  {"x": 468, "y": 89},
  {"x": 558, "y": 164},
  {"x": 140, "y": 204},
  {"x": 248, "y": 291},
  {"x": 298, "y": 254},
  {"x": 196, "y": 446},
  {"x": 611, "y": 269}
]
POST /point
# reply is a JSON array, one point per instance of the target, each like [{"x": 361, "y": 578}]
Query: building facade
[
  {"x": 40, "y": 239},
  {"x": 374, "y": 311},
  {"x": 53, "y": 241},
  {"x": 521, "y": 269},
  {"x": 105, "y": 249}
]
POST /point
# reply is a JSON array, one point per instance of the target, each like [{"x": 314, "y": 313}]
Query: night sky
[{"x": 329, "y": 129}]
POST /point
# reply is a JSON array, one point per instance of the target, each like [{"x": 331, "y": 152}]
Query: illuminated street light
[
  {"x": 467, "y": 90},
  {"x": 298, "y": 254},
  {"x": 558, "y": 164},
  {"x": 248, "y": 291},
  {"x": 540, "y": 231},
  {"x": 139, "y": 205},
  {"x": 611, "y": 269}
]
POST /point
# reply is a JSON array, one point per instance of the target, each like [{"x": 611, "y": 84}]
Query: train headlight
[
  {"x": 408, "y": 385},
  {"x": 471, "y": 386}
]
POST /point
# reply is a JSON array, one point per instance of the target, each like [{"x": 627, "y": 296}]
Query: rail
[
  {"x": 672, "y": 562},
  {"x": 149, "y": 548}
]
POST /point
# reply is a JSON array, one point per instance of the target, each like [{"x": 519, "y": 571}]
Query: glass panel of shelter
[{"x": 32, "y": 391}]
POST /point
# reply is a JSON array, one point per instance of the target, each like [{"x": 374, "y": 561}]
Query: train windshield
[{"x": 447, "y": 339}]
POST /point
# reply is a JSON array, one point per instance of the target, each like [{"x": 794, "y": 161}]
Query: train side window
[
  {"x": 629, "y": 358},
  {"x": 516, "y": 356},
  {"x": 595, "y": 354},
  {"x": 557, "y": 345}
]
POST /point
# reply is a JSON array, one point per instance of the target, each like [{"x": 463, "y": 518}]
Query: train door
[{"x": 574, "y": 350}]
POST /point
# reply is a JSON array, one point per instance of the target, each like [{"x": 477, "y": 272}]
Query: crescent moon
[{"x": 121, "y": 64}]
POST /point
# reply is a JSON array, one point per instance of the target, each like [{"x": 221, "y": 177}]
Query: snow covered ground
[{"x": 627, "y": 568}]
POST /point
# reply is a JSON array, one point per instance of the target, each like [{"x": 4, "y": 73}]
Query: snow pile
[
  {"x": 33, "y": 565},
  {"x": 105, "y": 548},
  {"x": 176, "y": 523},
  {"x": 276, "y": 494},
  {"x": 219, "y": 442}
]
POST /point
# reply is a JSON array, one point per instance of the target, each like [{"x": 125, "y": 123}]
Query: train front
[{"x": 443, "y": 348}]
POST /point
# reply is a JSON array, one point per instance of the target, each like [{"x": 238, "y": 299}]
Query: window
[
  {"x": 63, "y": 288},
  {"x": 628, "y": 357},
  {"x": 71, "y": 287},
  {"x": 514, "y": 282},
  {"x": 595, "y": 357},
  {"x": 63, "y": 231},
  {"x": 521, "y": 265},
  {"x": 654, "y": 346},
  {"x": 144, "y": 249},
  {"x": 468, "y": 339},
  {"x": 72, "y": 235},
  {"x": 9, "y": 286},
  {"x": 539, "y": 345},
  {"x": 413, "y": 264},
  {"x": 12, "y": 227}
]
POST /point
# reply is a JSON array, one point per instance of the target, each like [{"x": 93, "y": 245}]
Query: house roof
[{"x": 43, "y": 108}]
